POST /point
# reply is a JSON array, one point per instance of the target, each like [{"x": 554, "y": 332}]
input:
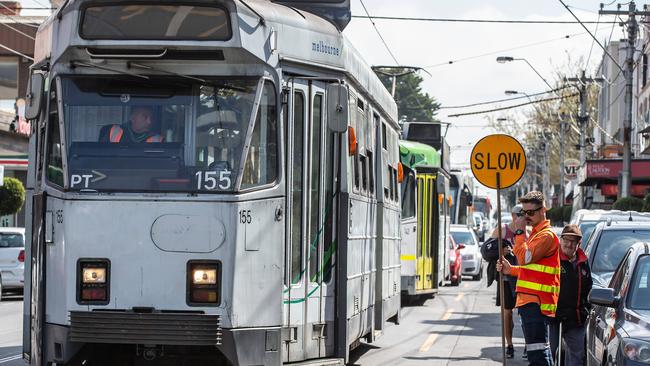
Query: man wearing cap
[{"x": 572, "y": 307}]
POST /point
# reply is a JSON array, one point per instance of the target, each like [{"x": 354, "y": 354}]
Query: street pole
[
  {"x": 501, "y": 276},
  {"x": 562, "y": 136},
  {"x": 632, "y": 29}
]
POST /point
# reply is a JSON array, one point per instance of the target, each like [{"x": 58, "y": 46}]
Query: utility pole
[
  {"x": 581, "y": 84},
  {"x": 562, "y": 142},
  {"x": 397, "y": 71},
  {"x": 632, "y": 30}
]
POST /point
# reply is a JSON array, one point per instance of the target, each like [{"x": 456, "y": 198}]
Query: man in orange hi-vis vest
[
  {"x": 538, "y": 276},
  {"x": 137, "y": 129}
]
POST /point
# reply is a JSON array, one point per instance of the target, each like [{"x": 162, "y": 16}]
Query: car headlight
[{"x": 636, "y": 350}]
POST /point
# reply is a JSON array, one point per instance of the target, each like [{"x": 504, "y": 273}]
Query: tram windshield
[{"x": 168, "y": 134}]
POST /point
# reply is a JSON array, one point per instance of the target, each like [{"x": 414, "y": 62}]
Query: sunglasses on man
[{"x": 530, "y": 213}]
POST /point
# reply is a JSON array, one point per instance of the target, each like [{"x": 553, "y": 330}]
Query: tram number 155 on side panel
[
  {"x": 245, "y": 217},
  {"x": 211, "y": 180}
]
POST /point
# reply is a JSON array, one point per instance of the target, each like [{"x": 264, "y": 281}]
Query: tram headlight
[
  {"x": 93, "y": 281},
  {"x": 203, "y": 283},
  {"x": 93, "y": 275},
  {"x": 204, "y": 277}
]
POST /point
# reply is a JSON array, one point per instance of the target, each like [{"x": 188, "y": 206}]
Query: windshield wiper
[
  {"x": 147, "y": 67},
  {"x": 74, "y": 64}
]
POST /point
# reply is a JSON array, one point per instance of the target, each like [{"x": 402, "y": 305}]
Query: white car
[
  {"x": 472, "y": 260},
  {"x": 12, "y": 259}
]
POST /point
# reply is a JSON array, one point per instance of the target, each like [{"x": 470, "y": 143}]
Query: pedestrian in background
[
  {"x": 538, "y": 276},
  {"x": 572, "y": 307},
  {"x": 510, "y": 282}
]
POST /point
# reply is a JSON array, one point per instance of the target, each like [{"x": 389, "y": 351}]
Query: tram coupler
[{"x": 149, "y": 352}]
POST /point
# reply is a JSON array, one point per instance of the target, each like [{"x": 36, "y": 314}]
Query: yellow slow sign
[{"x": 500, "y": 154}]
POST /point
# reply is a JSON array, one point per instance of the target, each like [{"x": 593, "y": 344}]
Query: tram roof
[
  {"x": 288, "y": 37},
  {"x": 415, "y": 154}
]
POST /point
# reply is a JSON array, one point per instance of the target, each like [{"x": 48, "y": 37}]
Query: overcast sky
[{"x": 480, "y": 79}]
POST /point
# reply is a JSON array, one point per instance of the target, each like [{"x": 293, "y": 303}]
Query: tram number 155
[
  {"x": 245, "y": 217},
  {"x": 211, "y": 180}
]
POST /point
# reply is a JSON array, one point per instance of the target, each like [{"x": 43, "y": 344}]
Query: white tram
[{"x": 211, "y": 181}]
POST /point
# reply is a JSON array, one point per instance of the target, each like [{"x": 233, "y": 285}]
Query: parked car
[
  {"x": 588, "y": 219},
  {"x": 618, "y": 330},
  {"x": 455, "y": 261},
  {"x": 12, "y": 259},
  {"x": 480, "y": 226},
  {"x": 608, "y": 244},
  {"x": 471, "y": 254}
]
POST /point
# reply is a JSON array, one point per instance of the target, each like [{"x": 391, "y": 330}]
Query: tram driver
[{"x": 137, "y": 130}]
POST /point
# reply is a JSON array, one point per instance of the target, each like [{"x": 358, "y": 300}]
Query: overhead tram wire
[
  {"x": 16, "y": 52},
  {"x": 457, "y": 20},
  {"x": 13, "y": 18},
  {"x": 502, "y": 100},
  {"x": 513, "y": 106},
  {"x": 450, "y": 62},
  {"x": 379, "y": 33},
  {"x": 592, "y": 36},
  {"x": 592, "y": 44}
]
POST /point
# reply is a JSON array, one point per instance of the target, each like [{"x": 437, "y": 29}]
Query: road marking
[
  {"x": 429, "y": 342},
  {"x": 11, "y": 358},
  {"x": 447, "y": 314},
  {"x": 459, "y": 296}
]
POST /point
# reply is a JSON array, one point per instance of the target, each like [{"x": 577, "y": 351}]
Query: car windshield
[
  {"x": 586, "y": 228},
  {"x": 11, "y": 240},
  {"x": 612, "y": 246},
  {"x": 639, "y": 291},
  {"x": 167, "y": 134},
  {"x": 463, "y": 237}
]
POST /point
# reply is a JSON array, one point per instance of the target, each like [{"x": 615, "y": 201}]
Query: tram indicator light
[
  {"x": 203, "y": 283},
  {"x": 93, "y": 281}
]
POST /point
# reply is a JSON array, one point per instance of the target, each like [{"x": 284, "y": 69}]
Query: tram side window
[
  {"x": 261, "y": 163},
  {"x": 371, "y": 173},
  {"x": 315, "y": 187},
  {"x": 364, "y": 173},
  {"x": 296, "y": 187},
  {"x": 408, "y": 196},
  {"x": 54, "y": 153}
]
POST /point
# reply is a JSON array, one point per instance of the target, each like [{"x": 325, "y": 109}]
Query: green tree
[
  {"x": 12, "y": 196},
  {"x": 412, "y": 103},
  {"x": 628, "y": 204}
]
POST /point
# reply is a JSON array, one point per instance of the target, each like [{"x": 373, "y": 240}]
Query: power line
[
  {"x": 14, "y": 17},
  {"x": 592, "y": 45},
  {"x": 16, "y": 52},
  {"x": 18, "y": 31},
  {"x": 512, "y": 106},
  {"x": 458, "y": 20},
  {"x": 592, "y": 36},
  {"x": 501, "y": 100},
  {"x": 503, "y": 50},
  {"x": 378, "y": 33}
]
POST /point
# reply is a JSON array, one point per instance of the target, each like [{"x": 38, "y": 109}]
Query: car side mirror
[
  {"x": 337, "y": 107},
  {"x": 35, "y": 97},
  {"x": 461, "y": 246},
  {"x": 603, "y": 297}
]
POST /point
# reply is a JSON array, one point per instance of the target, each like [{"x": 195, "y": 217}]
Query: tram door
[
  {"x": 309, "y": 292},
  {"x": 426, "y": 209}
]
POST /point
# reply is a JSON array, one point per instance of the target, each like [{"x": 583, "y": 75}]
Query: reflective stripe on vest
[
  {"x": 154, "y": 138},
  {"x": 542, "y": 279},
  {"x": 538, "y": 287},
  {"x": 540, "y": 268},
  {"x": 115, "y": 134}
]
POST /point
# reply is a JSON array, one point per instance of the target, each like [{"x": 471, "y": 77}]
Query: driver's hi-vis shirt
[{"x": 538, "y": 276}]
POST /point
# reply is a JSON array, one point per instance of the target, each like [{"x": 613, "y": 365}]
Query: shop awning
[{"x": 608, "y": 171}]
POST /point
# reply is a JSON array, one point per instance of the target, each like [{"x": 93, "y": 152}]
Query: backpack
[{"x": 490, "y": 249}]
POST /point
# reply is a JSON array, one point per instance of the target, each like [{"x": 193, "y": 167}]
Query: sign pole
[{"x": 501, "y": 288}]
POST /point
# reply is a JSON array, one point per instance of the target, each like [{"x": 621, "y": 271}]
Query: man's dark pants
[{"x": 535, "y": 326}]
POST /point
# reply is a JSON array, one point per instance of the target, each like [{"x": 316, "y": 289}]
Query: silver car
[{"x": 12, "y": 259}]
